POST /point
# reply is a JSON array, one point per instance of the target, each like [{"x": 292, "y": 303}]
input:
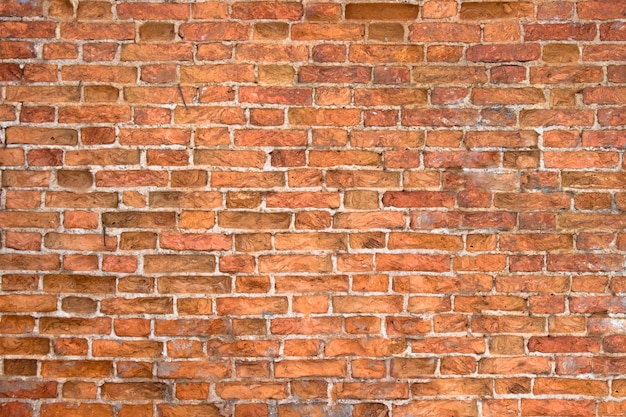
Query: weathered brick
[
  {"x": 453, "y": 386},
  {"x": 391, "y": 75},
  {"x": 74, "y": 410},
  {"x": 329, "y": 53},
  {"x": 327, "y": 31},
  {"x": 534, "y": 407},
  {"x": 294, "y": 263},
  {"x": 152, "y": 11},
  {"x": 45, "y": 94},
  {"x": 427, "y": 407},
  {"x": 99, "y": 73},
  {"x": 601, "y": 11},
  {"x": 560, "y": 31},
  {"x": 369, "y": 220},
  {"x": 17, "y": 50},
  {"x": 272, "y": 53},
  {"x": 173, "y": 263},
  {"x": 77, "y": 326},
  {"x": 97, "y": 31},
  {"x": 275, "y": 95},
  {"x": 504, "y": 53},
  {"x": 156, "y": 52},
  {"x": 385, "y": 53},
  {"x": 75, "y": 369},
  {"x": 381, "y": 11},
  {"x": 334, "y": 74},
  {"x": 500, "y": 10},
  {"x": 127, "y": 349},
  {"x": 508, "y": 324},
  {"x": 444, "y": 32},
  {"x": 389, "y": 97},
  {"x": 493, "y": 96},
  {"x": 565, "y": 74}
]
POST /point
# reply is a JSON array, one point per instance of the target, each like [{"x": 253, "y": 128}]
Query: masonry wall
[{"x": 290, "y": 209}]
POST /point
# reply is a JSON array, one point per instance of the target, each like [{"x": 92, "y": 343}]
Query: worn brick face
[{"x": 348, "y": 208}]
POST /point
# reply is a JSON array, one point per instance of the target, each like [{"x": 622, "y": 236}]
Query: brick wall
[{"x": 288, "y": 209}]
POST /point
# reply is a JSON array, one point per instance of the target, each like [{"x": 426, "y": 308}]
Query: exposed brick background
[{"x": 288, "y": 209}]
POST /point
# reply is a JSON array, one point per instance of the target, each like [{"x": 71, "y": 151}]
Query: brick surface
[{"x": 353, "y": 208}]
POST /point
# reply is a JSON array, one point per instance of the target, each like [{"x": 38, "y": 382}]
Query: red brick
[
  {"x": 417, "y": 199},
  {"x": 449, "y": 75},
  {"x": 504, "y": 53},
  {"x": 24, "y": 346},
  {"x": 329, "y": 53},
  {"x": 13, "y": 262},
  {"x": 565, "y": 75},
  {"x": 127, "y": 349},
  {"x": 152, "y": 11},
  {"x": 16, "y": 50},
  {"x": 334, "y": 74},
  {"x": 560, "y": 31},
  {"x": 444, "y": 32},
  {"x": 97, "y": 31},
  {"x": 310, "y": 368},
  {"x": 74, "y": 410},
  {"x": 267, "y": 10},
  {"x": 385, "y": 53},
  {"x": 342, "y": 158},
  {"x": 600, "y": 10},
  {"x": 99, "y": 73},
  {"x": 51, "y": 325},
  {"x": 274, "y": 138},
  {"x": 35, "y": 114},
  {"x": 493, "y": 96},
  {"x": 44, "y": 94},
  {"x": 360, "y": 347},
  {"x": 567, "y": 386},
  {"x": 212, "y": 370},
  {"x": 243, "y": 390},
  {"x": 422, "y": 408},
  {"x": 322, "y": 11},
  {"x": 380, "y": 118},
  {"x": 209, "y": 410},
  {"x": 276, "y": 95},
  {"x": 272, "y": 53},
  {"x": 21, "y": 9},
  {"x": 246, "y": 180},
  {"x": 438, "y": 117},
  {"x": 184, "y": 263},
  {"x": 584, "y": 262},
  {"x": 502, "y": 10},
  {"x": 77, "y": 369},
  {"x": 327, "y": 31},
  {"x": 15, "y": 409},
  {"x": 514, "y": 365},
  {"x": 453, "y": 386},
  {"x": 156, "y": 52},
  {"x": 372, "y": 391},
  {"x": 381, "y": 11},
  {"x": 510, "y": 324},
  {"x": 212, "y": 31},
  {"x": 227, "y": 158},
  {"x": 209, "y": 10},
  {"x": 536, "y": 407},
  {"x": 27, "y": 389},
  {"x": 13, "y": 29}
]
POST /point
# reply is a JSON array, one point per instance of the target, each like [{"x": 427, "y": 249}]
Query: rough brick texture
[{"x": 282, "y": 208}]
